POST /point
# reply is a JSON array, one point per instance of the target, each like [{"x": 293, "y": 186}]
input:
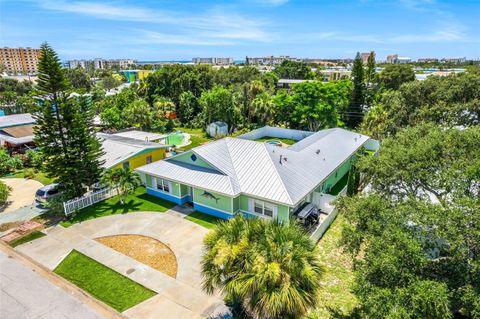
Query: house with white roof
[
  {"x": 255, "y": 178},
  {"x": 125, "y": 152}
]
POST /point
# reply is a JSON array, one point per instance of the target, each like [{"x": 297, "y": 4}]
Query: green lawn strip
[
  {"x": 337, "y": 188},
  {"x": 39, "y": 177},
  {"x": 197, "y": 137},
  {"x": 205, "y": 220},
  {"x": 103, "y": 283},
  {"x": 136, "y": 202},
  {"x": 25, "y": 239},
  {"x": 338, "y": 279},
  {"x": 283, "y": 140}
]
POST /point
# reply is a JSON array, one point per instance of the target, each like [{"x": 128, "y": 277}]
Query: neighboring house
[
  {"x": 16, "y": 131},
  {"x": 128, "y": 152},
  {"x": 255, "y": 178},
  {"x": 143, "y": 136},
  {"x": 288, "y": 83},
  {"x": 217, "y": 129}
]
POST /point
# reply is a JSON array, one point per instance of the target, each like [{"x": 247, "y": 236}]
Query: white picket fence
[{"x": 89, "y": 199}]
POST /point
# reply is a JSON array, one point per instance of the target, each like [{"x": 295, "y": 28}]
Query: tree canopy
[
  {"x": 415, "y": 235},
  {"x": 266, "y": 269}
]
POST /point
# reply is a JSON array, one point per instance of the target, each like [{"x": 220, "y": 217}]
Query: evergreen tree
[
  {"x": 64, "y": 129},
  {"x": 354, "y": 114},
  {"x": 370, "y": 80}
]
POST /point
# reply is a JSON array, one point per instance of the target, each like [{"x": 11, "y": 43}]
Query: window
[
  {"x": 149, "y": 159},
  {"x": 263, "y": 208},
  {"x": 126, "y": 165},
  {"x": 163, "y": 185}
]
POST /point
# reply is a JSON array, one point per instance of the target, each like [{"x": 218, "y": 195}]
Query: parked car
[{"x": 47, "y": 192}]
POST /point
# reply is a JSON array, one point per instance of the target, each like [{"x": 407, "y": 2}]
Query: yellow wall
[{"x": 141, "y": 159}]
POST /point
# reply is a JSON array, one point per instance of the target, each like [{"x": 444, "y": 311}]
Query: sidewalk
[{"x": 28, "y": 291}]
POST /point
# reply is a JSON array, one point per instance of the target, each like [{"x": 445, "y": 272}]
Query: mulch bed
[{"x": 146, "y": 250}]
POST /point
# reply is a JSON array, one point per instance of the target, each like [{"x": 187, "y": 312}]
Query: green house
[{"x": 257, "y": 179}]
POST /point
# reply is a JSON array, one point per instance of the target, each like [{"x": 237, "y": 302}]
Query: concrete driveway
[
  {"x": 180, "y": 297},
  {"x": 22, "y": 205},
  {"x": 23, "y": 192}
]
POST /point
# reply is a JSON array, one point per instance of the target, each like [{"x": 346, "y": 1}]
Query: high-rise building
[
  {"x": 102, "y": 63},
  {"x": 213, "y": 61},
  {"x": 365, "y": 56},
  {"x": 19, "y": 60},
  {"x": 392, "y": 58}
]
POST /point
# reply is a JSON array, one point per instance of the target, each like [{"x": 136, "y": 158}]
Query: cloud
[{"x": 213, "y": 23}]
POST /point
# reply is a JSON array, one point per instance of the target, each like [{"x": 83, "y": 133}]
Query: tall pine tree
[
  {"x": 64, "y": 130},
  {"x": 354, "y": 114},
  {"x": 370, "y": 80}
]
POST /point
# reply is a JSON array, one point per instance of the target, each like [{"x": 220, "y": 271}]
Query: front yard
[
  {"x": 107, "y": 285},
  {"x": 207, "y": 221},
  {"x": 136, "y": 202}
]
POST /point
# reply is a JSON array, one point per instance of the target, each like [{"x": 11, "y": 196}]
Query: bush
[
  {"x": 29, "y": 173},
  {"x": 4, "y": 193},
  {"x": 9, "y": 163},
  {"x": 33, "y": 159}
]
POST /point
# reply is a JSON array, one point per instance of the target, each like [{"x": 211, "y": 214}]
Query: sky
[{"x": 149, "y": 30}]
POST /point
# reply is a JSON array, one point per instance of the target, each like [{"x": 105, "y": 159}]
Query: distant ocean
[{"x": 180, "y": 61}]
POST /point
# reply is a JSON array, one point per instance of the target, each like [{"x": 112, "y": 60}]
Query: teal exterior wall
[
  {"x": 336, "y": 175},
  {"x": 283, "y": 212},
  {"x": 222, "y": 202},
  {"x": 187, "y": 158}
]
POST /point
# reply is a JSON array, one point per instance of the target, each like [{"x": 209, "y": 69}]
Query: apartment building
[
  {"x": 19, "y": 60},
  {"x": 101, "y": 63},
  {"x": 270, "y": 60},
  {"x": 213, "y": 61}
]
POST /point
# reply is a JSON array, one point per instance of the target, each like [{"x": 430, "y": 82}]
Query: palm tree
[
  {"x": 124, "y": 179},
  {"x": 270, "y": 270}
]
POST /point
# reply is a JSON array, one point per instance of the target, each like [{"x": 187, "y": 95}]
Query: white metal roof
[
  {"x": 16, "y": 119},
  {"x": 255, "y": 168},
  {"x": 118, "y": 149},
  {"x": 141, "y": 135}
]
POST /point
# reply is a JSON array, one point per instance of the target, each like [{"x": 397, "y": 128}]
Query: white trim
[{"x": 170, "y": 194}]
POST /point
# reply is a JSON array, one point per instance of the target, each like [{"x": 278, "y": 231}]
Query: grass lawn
[
  {"x": 197, "y": 137},
  {"x": 103, "y": 283},
  {"x": 136, "y": 202},
  {"x": 25, "y": 239},
  {"x": 335, "y": 294},
  {"x": 39, "y": 177},
  {"x": 205, "y": 220},
  {"x": 337, "y": 188},
  {"x": 283, "y": 140}
]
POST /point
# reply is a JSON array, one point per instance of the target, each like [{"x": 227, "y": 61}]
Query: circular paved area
[
  {"x": 182, "y": 297},
  {"x": 23, "y": 192}
]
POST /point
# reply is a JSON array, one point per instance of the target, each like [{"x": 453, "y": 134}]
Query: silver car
[{"x": 47, "y": 192}]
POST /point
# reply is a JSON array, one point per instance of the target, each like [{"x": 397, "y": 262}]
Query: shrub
[
  {"x": 4, "y": 193},
  {"x": 29, "y": 173}
]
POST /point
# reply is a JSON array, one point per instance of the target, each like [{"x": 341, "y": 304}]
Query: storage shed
[{"x": 217, "y": 129}]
